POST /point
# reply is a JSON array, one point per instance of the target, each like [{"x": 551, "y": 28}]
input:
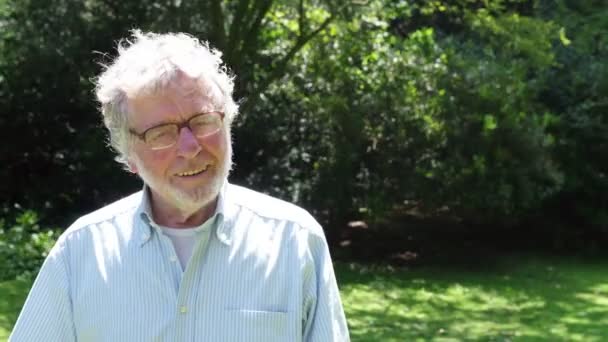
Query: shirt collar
[{"x": 223, "y": 220}]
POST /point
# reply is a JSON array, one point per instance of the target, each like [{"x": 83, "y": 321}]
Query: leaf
[
  {"x": 489, "y": 122},
  {"x": 563, "y": 38}
]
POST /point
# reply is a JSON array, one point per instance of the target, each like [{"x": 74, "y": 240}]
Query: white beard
[{"x": 190, "y": 200}]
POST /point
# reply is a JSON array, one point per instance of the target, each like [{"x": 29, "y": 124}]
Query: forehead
[{"x": 175, "y": 102}]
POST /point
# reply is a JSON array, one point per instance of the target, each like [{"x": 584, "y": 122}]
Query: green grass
[
  {"x": 12, "y": 296},
  {"x": 513, "y": 299},
  {"x": 508, "y": 299}
]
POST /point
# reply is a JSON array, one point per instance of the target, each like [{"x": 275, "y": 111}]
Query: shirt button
[
  {"x": 173, "y": 258},
  {"x": 183, "y": 309}
]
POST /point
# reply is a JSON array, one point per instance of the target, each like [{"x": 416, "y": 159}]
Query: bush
[{"x": 24, "y": 245}]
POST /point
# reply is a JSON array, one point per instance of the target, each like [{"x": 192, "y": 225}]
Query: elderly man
[{"x": 190, "y": 257}]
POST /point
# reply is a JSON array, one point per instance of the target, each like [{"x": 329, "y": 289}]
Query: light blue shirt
[{"x": 260, "y": 271}]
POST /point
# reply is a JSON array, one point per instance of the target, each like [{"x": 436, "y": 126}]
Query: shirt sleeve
[
  {"x": 47, "y": 312},
  {"x": 324, "y": 318}
]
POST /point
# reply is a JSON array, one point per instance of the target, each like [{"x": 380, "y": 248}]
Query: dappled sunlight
[
  {"x": 525, "y": 299},
  {"x": 593, "y": 298},
  {"x": 600, "y": 289},
  {"x": 476, "y": 328}
]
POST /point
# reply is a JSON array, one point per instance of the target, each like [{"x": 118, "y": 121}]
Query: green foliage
[
  {"x": 442, "y": 118},
  {"x": 491, "y": 110},
  {"x": 23, "y": 246},
  {"x": 496, "y": 162},
  {"x": 52, "y": 130},
  {"x": 577, "y": 89},
  {"x": 48, "y": 55}
]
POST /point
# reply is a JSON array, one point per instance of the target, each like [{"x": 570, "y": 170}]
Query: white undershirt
[{"x": 183, "y": 240}]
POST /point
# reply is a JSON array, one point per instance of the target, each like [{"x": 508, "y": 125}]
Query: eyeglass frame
[{"x": 180, "y": 125}]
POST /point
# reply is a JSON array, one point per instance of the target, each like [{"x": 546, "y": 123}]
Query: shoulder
[
  {"x": 271, "y": 208},
  {"x": 126, "y": 205}
]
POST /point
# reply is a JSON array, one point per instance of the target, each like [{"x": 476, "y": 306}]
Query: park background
[{"x": 454, "y": 151}]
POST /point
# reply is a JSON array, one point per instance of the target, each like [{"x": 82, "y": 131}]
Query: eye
[
  {"x": 202, "y": 120},
  {"x": 159, "y": 133},
  {"x": 205, "y": 124}
]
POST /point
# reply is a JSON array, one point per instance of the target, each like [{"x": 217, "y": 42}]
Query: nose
[{"x": 188, "y": 145}]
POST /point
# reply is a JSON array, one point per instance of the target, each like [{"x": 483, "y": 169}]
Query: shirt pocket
[{"x": 256, "y": 325}]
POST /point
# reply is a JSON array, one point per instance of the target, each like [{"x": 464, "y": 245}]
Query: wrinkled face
[{"x": 188, "y": 175}]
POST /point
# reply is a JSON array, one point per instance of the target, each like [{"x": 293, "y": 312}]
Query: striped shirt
[{"x": 260, "y": 270}]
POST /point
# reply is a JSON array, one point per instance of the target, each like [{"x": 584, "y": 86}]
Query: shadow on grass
[
  {"x": 513, "y": 299},
  {"x": 12, "y": 296}
]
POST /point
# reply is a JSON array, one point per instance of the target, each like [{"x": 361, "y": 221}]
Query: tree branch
[
  {"x": 302, "y": 18},
  {"x": 236, "y": 27},
  {"x": 281, "y": 65},
  {"x": 254, "y": 28},
  {"x": 248, "y": 34},
  {"x": 217, "y": 24},
  {"x": 300, "y": 42}
]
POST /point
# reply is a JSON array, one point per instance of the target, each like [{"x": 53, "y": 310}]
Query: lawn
[
  {"x": 506, "y": 299},
  {"x": 12, "y": 295}
]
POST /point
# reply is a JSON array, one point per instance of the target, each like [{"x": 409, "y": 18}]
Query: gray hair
[{"x": 150, "y": 63}]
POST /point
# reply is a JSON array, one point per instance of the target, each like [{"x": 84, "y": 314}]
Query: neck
[{"x": 174, "y": 216}]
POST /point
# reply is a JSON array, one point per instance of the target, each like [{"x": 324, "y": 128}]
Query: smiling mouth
[{"x": 192, "y": 172}]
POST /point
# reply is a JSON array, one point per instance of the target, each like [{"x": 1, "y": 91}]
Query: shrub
[{"x": 24, "y": 245}]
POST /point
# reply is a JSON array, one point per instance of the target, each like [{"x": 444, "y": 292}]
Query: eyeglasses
[{"x": 166, "y": 135}]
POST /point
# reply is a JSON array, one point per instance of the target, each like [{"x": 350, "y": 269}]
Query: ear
[{"x": 132, "y": 166}]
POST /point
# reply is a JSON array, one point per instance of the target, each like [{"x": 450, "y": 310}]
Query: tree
[
  {"x": 491, "y": 110},
  {"x": 48, "y": 50}
]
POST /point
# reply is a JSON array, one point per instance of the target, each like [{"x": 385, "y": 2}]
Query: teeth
[{"x": 191, "y": 173}]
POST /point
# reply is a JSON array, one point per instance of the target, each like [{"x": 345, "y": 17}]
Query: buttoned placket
[
  {"x": 184, "y": 283},
  {"x": 187, "y": 282},
  {"x": 170, "y": 260},
  {"x": 189, "y": 288}
]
